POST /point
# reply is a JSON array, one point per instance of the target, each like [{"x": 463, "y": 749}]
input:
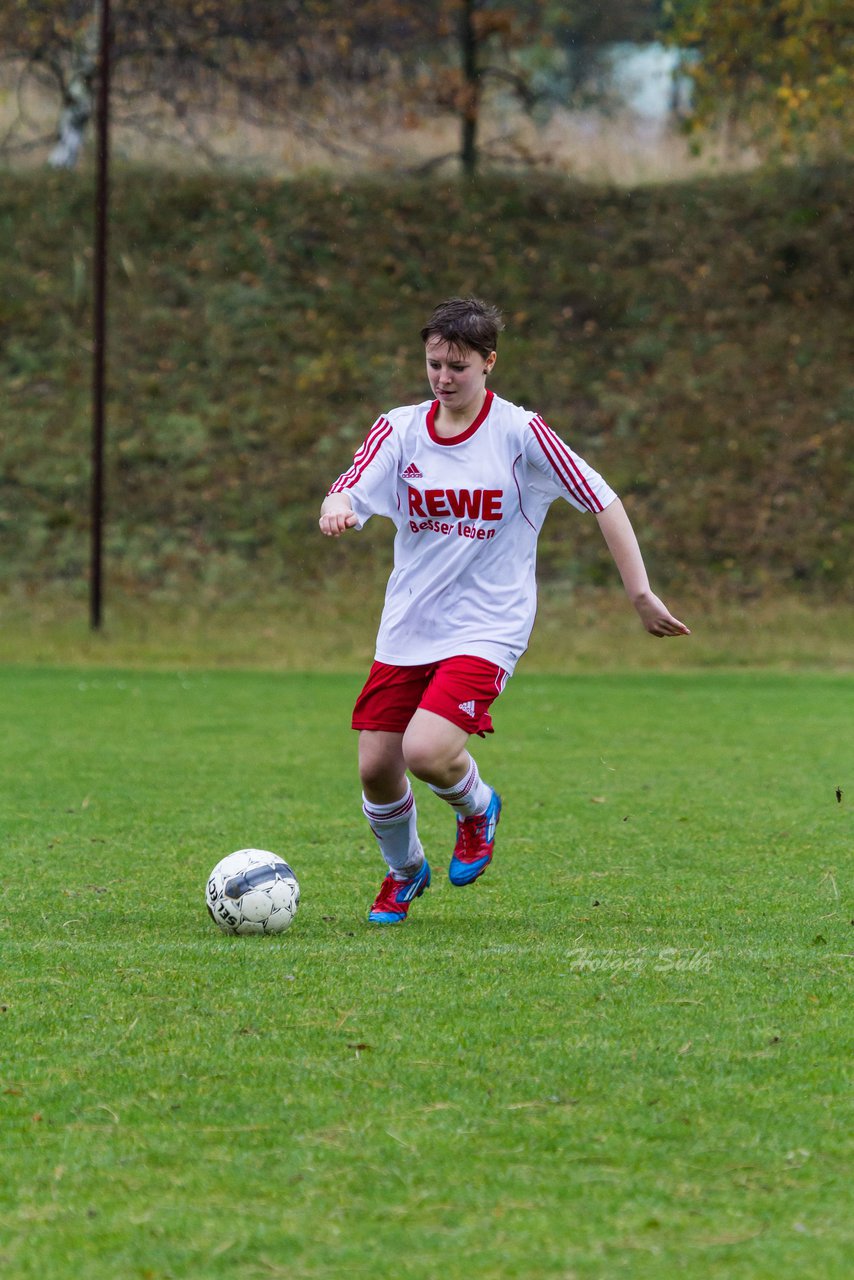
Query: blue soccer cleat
[
  {"x": 475, "y": 844},
  {"x": 395, "y": 896}
]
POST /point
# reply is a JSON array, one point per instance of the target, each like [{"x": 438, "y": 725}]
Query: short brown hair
[{"x": 465, "y": 324}]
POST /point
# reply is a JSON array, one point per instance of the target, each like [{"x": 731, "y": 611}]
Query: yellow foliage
[{"x": 779, "y": 69}]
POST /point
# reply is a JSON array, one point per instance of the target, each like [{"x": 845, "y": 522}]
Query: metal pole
[{"x": 100, "y": 321}]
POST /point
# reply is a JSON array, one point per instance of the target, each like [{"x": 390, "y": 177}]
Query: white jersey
[{"x": 468, "y": 512}]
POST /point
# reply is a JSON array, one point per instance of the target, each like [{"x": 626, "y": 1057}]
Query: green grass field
[{"x": 624, "y": 1052}]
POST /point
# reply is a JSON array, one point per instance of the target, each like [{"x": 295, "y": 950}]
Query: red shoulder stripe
[
  {"x": 364, "y": 455},
  {"x": 565, "y": 465}
]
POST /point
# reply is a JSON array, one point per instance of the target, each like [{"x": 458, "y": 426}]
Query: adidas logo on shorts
[
  {"x": 412, "y": 473},
  {"x": 468, "y": 707}
]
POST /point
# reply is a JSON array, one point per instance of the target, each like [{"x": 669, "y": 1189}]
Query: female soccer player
[{"x": 467, "y": 479}]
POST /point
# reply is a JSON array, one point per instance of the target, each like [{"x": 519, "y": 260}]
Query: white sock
[
  {"x": 471, "y": 794},
  {"x": 395, "y": 827}
]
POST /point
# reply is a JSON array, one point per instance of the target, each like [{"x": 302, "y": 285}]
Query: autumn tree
[
  {"x": 481, "y": 38},
  {"x": 780, "y": 71},
  {"x": 262, "y": 58},
  {"x": 304, "y": 64}
]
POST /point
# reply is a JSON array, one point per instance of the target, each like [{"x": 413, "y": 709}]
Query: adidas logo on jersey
[
  {"x": 468, "y": 707},
  {"x": 412, "y": 473}
]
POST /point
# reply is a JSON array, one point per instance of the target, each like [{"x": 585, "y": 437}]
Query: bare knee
[
  {"x": 380, "y": 780},
  {"x": 421, "y": 760},
  {"x": 382, "y": 770},
  {"x": 433, "y": 759}
]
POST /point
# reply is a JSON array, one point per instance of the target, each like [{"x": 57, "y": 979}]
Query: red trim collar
[{"x": 469, "y": 431}]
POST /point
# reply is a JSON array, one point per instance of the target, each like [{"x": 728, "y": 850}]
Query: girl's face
[{"x": 457, "y": 377}]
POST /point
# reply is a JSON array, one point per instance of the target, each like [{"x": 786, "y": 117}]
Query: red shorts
[{"x": 459, "y": 689}]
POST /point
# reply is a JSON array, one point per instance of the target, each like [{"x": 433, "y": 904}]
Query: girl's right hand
[{"x": 336, "y": 515}]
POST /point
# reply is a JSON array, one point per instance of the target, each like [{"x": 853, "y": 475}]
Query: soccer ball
[{"x": 252, "y": 891}]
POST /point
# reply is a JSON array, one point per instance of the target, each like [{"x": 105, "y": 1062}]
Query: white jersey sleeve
[
  {"x": 564, "y": 474},
  {"x": 371, "y": 482}
]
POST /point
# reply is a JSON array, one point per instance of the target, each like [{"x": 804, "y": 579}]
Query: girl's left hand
[{"x": 657, "y": 618}]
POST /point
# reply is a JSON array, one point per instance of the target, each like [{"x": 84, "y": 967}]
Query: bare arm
[
  {"x": 620, "y": 536},
  {"x": 336, "y": 514}
]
